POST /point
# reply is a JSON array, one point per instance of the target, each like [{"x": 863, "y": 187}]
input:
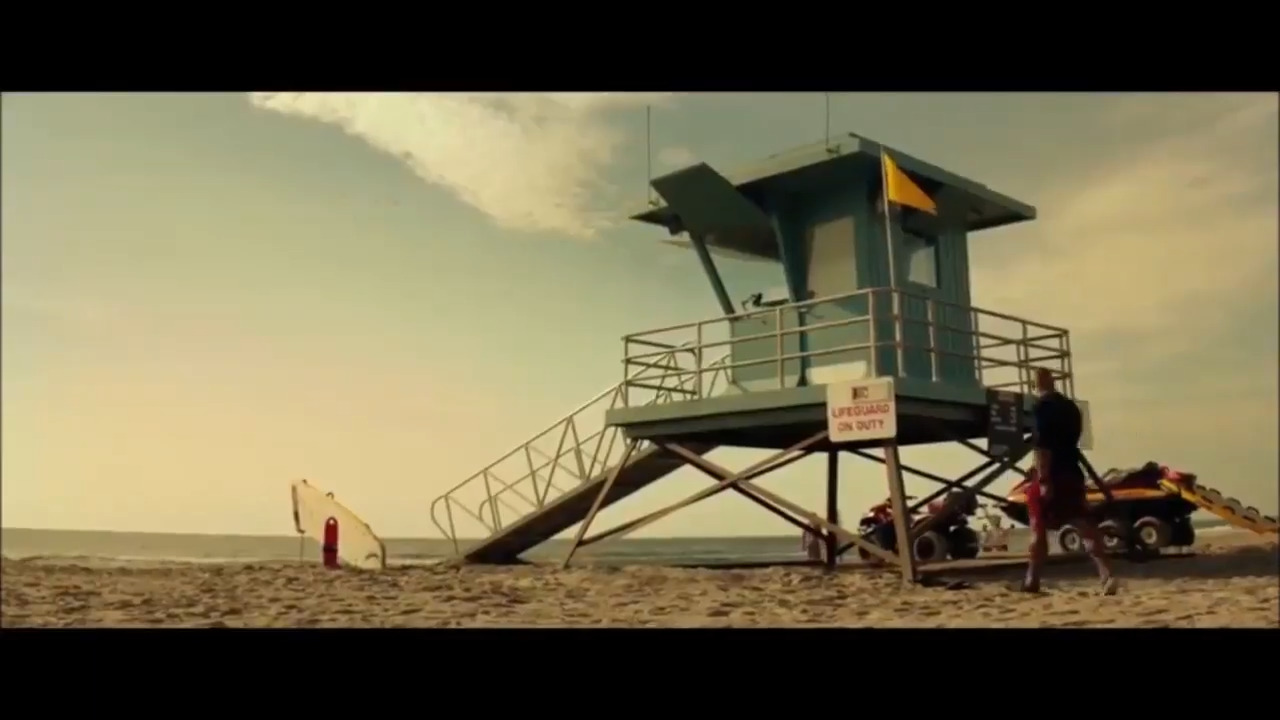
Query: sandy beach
[{"x": 1233, "y": 582}]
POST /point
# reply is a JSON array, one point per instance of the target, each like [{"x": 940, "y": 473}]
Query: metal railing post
[
  {"x": 897, "y": 332},
  {"x": 932, "y": 315},
  {"x": 975, "y": 341},
  {"x": 1025, "y": 373},
  {"x": 697, "y": 362},
  {"x": 777, "y": 331},
  {"x": 626, "y": 369},
  {"x": 871, "y": 334},
  {"x": 493, "y": 509},
  {"x": 453, "y": 531},
  {"x": 1064, "y": 342}
]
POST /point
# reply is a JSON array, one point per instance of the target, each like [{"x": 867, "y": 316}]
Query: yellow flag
[{"x": 903, "y": 190}]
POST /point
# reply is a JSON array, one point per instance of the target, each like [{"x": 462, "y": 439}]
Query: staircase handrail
[{"x": 567, "y": 417}]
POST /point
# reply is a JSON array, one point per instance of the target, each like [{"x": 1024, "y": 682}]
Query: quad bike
[{"x": 950, "y": 536}]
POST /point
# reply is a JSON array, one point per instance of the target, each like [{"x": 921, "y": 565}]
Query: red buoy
[{"x": 329, "y": 549}]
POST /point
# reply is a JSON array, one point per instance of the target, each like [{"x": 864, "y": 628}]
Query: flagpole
[
  {"x": 826, "y": 137},
  {"x": 648, "y": 155},
  {"x": 895, "y": 301},
  {"x": 831, "y": 149},
  {"x": 888, "y": 227}
]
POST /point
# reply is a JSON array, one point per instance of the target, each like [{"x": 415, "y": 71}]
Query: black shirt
[{"x": 1058, "y": 426}]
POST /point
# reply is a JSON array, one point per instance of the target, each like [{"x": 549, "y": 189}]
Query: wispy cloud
[
  {"x": 1162, "y": 262},
  {"x": 1167, "y": 236},
  {"x": 676, "y": 156},
  {"x": 531, "y": 161}
]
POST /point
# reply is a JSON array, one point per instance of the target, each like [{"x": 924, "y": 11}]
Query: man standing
[
  {"x": 1056, "y": 495},
  {"x": 815, "y": 543},
  {"x": 812, "y": 544}
]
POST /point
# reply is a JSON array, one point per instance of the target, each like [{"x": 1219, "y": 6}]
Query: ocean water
[
  {"x": 171, "y": 547},
  {"x": 152, "y": 547}
]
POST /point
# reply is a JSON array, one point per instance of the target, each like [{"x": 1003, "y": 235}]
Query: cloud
[
  {"x": 1162, "y": 263},
  {"x": 530, "y": 161},
  {"x": 1169, "y": 236},
  {"x": 676, "y": 156}
]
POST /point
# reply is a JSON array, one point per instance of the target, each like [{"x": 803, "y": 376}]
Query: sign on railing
[
  {"x": 862, "y": 410},
  {"x": 1005, "y": 420}
]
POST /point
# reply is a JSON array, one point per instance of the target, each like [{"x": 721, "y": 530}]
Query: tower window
[{"x": 920, "y": 254}]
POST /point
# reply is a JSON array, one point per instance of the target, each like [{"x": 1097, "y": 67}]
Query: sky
[{"x": 206, "y": 296}]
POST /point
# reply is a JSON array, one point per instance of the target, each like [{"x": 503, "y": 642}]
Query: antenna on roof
[{"x": 648, "y": 155}]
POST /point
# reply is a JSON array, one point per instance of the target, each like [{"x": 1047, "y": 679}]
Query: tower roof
[{"x": 739, "y": 200}]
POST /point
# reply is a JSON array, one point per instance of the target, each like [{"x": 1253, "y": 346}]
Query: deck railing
[{"x": 1004, "y": 350}]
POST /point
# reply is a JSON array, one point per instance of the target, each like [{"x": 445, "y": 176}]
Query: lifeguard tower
[{"x": 877, "y": 345}]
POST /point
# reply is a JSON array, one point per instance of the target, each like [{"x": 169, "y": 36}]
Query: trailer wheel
[
  {"x": 1184, "y": 533},
  {"x": 1234, "y": 507},
  {"x": 1210, "y": 494},
  {"x": 1153, "y": 533},
  {"x": 1114, "y": 535},
  {"x": 964, "y": 542},
  {"x": 1069, "y": 540},
  {"x": 930, "y": 547}
]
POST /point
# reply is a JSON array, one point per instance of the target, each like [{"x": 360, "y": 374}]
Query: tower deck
[{"x": 710, "y": 397}]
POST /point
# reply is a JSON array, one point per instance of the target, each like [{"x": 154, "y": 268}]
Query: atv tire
[
  {"x": 930, "y": 547},
  {"x": 882, "y": 536}
]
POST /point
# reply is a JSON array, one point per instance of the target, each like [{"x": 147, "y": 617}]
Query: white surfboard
[{"x": 358, "y": 546}]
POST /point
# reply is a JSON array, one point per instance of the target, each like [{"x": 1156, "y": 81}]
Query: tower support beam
[{"x": 781, "y": 502}]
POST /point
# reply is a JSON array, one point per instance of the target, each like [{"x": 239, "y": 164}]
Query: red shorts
[
  {"x": 1068, "y": 504},
  {"x": 1035, "y": 510}
]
